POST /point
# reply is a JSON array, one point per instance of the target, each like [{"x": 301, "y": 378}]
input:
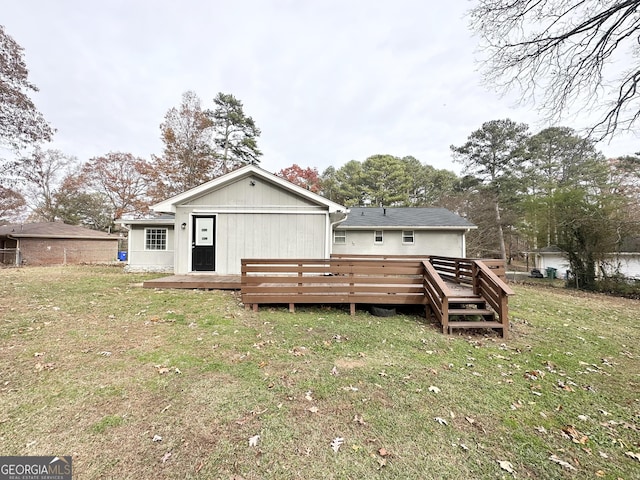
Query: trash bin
[
  {"x": 551, "y": 273},
  {"x": 122, "y": 256}
]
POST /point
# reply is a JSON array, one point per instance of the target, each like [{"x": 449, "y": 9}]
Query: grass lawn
[{"x": 137, "y": 383}]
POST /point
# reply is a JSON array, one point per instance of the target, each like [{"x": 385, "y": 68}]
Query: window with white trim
[
  {"x": 155, "y": 238},
  {"x": 377, "y": 237},
  {"x": 407, "y": 237},
  {"x": 340, "y": 237}
]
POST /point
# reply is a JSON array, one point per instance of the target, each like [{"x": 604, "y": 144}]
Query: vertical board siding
[
  {"x": 242, "y": 194},
  {"x": 259, "y": 235}
]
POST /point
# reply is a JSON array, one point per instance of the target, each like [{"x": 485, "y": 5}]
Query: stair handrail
[
  {"x": 437, "y": 293},
  {"x": 493, "y": 289}
]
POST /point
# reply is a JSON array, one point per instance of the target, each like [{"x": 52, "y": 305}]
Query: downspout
[
  {"x": 464, "y": 243},
  {"x": 327, "y": 250},
  {"x": 128, "y": 228}
]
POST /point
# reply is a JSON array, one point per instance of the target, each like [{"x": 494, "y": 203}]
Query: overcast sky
[{"x": 327, "y": 81}]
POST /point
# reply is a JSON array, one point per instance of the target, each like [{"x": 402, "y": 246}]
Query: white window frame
[
  {"x": 152, "y": 244},
  {"x": 407, "y": 234},
  {"x": 340, "y": 239},
  {"x": 375, "y": 237}
]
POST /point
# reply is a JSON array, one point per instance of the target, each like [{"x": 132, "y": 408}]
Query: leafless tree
[{"x": 565, "y": 54}]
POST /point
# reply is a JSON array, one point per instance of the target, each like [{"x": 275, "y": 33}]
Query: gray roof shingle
[{"x": 361, "y": 217}]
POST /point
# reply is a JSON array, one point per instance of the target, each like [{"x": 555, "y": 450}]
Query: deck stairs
[{"x": 471, "y": 311}]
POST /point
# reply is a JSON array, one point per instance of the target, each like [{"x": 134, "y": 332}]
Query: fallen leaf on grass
[
  {"x": 334, "y": 371},
  {"x": 299, "y": 351},
  {"x": 434, "y": 389},
  {"x": 253, "y": 441},
  {"x": 358, "y": 419},
  {"x": 441, "y": 421},
  {"x": 313, "y": 409},
  {"x": 308, "y": 397},
  {"x": 383, "y": 452},
  {"x": 562, "y": 463},
  {"x": 38, "y": 354},
  {"x": 507, "y": 466},
  {"x": 336, "y": 443},
  {"x": 633, "y": 455},
  {"x": 600, "y": 473},
  {"x": 574, "y": 435},
  {"x": 541, "y": 429},
  {"x": 165, "y": 457},
  {"x": 45, "y": 366},
  {"x": 156, "y": 438}
]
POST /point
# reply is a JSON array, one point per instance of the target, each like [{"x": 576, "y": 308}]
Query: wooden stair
[{"x": 462, "y": 308}]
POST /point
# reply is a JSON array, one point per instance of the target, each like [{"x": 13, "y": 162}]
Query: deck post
[
  {"x": 255, "y": 307},
  {"x": 352, "y": 309},
  {"x": 292, "y": 308}
]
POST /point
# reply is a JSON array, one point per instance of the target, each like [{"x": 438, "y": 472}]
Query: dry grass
[{"x": 94, "y": 366}]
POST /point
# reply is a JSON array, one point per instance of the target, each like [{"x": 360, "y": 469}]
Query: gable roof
[
  {"x": 52, "y": 230},
  {"x": 169, "y": 205},
  {"x": 408, "y": 217}
]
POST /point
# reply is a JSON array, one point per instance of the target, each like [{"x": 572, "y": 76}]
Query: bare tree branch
[{"x": 561, "y": 54}]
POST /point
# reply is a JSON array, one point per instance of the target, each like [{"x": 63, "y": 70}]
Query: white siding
[
  {"x": 426, "y": 242},
  {"x": 140, "y": 259},
  {"x": 268, "y": 236},
  {"x": 261, "y": 194}
]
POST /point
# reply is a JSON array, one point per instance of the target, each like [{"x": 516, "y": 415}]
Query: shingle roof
[
  {"x": 362, "y": 217},
  {"x": 51, "y": 230}
]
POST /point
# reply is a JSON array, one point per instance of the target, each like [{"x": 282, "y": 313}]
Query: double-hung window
[
  {"x": 155, "y": 238},
  {"x": 340, "y": 237},
  {"x": 377, "y": 237},
  {"x": 407, "y": 237}
]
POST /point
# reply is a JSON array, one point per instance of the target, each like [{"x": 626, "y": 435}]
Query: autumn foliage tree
[
  {"x": 308, "y": 178},
  {"x": 21, "y": 124},
  {"x": 188, "y": 158},
  {"x": 122, "y": 178},
  {"x": 40, "y": 175}
]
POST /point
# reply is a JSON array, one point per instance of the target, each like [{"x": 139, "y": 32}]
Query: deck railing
[
  {"x": 493, "y": 289},
  {"x": 437, "y": 294},
  {"x": 337, "y": 280},
  {"x": 373, "y": 280}
]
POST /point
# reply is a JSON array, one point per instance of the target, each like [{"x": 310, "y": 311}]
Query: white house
[
  {"x": 402, "y": 231},
  {"x": 626, "y": 262},
  {"x": 251, "y": 213},
  {"x": 248, "y": 213}
]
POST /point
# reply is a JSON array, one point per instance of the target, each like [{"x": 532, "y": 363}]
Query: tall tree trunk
[{"x": 503, "y": 250}]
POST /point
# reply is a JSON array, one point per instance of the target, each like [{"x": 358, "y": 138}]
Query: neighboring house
[
  {"x": 248, "y": 213},
  {"x": 53, "y": 243},
  {"x": 551, "y": 257},
  {"x": 625, "y": 263},
  {"x": 402, "y": 231}
]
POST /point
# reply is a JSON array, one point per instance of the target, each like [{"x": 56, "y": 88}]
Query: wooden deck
[
  {"x": 456, "y": 292},
  {"x": 192, "y": 281}
]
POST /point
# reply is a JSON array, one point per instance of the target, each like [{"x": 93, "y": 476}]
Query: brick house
[{"x": 54, "y": 243}]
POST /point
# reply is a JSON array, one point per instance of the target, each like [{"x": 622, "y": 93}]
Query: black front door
[{"x": 203, "y": 244}]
